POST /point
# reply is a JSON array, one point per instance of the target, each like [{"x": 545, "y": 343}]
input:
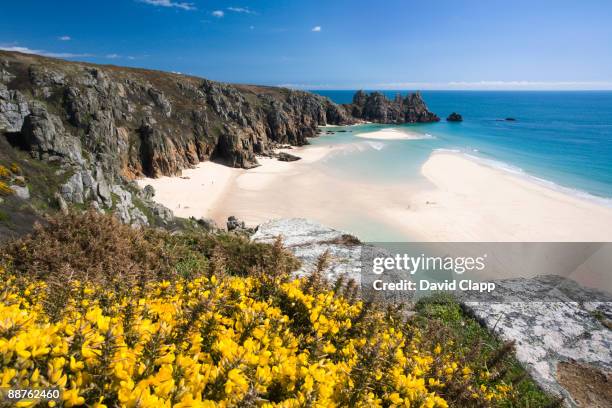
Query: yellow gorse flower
[{"x": 217, "y": 342}]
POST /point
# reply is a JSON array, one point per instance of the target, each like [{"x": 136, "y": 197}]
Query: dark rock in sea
[
  {"x": 510, "y": 120},
  {"x": 286, "y": 157},
  {"x": 454, "y": 117},
  {"x": 376, "y": 107}
]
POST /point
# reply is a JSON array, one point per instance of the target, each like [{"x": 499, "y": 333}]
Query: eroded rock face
[
  {"x": 139, "y": 122},
  {"x": 564, "y": 328},
  {"x": 308, "y": 240},
  {"x": 376, "y": 107},
  {"x": 106, "y": 126},
  {"x": 44, "y": 134},
  {"x": 13, "y": 109}
]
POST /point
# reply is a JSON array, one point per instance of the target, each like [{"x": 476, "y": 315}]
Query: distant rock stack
[
  {"x": 454, "y": 117},
  {"x": 376, "y": 107}
]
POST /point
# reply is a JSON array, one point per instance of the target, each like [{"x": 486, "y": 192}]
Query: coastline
[
  {"x": 461, "y": 200},
  {"x": 470, "y": 201},
  {"x": 392, "y": 134}
]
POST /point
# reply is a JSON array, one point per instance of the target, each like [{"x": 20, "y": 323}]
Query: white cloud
[
  {"x": 244, "y": 10},
  {"x": 218, "y": 13},
  {"x": 466, "y": 86},
  {"x": 64, "y": 38},
  {"x": 498, "y": 85},
  {"x": 26, "y": 50},
  {"x": 316, "y": 29},
  {"x": 113, "y": 56},
  {"x": 252, "y": 27},
  {"x": 170, "y": 3},
  {"x": 309, "y": 86}
]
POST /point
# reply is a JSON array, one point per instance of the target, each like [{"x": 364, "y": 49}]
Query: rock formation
[
  {"x": 104, "y": 126},
  {"x": 376, "y": 107},
  {"x": 139, "y": 122},
  {"x": 287, "y": 157},
  {"x": 107, "y": 125},
  {"x": 454, "y": 117}
]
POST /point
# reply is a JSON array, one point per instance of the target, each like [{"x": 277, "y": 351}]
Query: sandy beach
[
  {"x": 470, "y": 201},
  {"x": 202, "y": 192},
  {"x": 391, "y": 134},
  {"x": 196, "y": 192},
  {"x": 458, "y": 200}
]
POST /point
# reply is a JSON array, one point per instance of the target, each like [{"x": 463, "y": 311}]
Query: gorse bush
[
  {"x": 4, "y": 172},
  {"x": 5, "y": 177},
  {"x": 5, "y": 190},
  {"x": 191, "y": 325},
  {"x": 224, "y": 341},
  {"x": 98, "y": 248}
]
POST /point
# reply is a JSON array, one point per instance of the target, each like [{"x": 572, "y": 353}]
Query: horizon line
[
  {"x": 495, "y": 85},
  {"x": 463, "y": 86}
]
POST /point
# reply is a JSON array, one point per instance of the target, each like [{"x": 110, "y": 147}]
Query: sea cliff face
[
  {"x": 139, "y": 122},
  {"x": 104, "y": 126},
  {"x": 100, "y": 127},
  {"x": 376, "y": 107}
]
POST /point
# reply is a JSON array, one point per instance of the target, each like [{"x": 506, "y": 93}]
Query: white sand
[
  {"x": 461, "y": 200},
  {"x": 473, "y": 202},
  {"x": 197, "y": 192},
  {"x": 200, "y": 192},
  {"x": 391, "y": 134}
]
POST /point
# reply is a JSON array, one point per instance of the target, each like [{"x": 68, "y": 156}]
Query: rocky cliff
[
  {"x": 106, "y": 125},
  {"x": 139, "y": 122},
  {"x": 376, "y": 107},
  {"x": 99, "y": 127}
]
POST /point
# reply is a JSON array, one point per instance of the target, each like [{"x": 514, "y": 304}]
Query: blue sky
[{"x": 331, "y": 44}]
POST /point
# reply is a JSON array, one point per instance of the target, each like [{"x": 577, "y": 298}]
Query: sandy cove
[
  {"x": 461, "y": 200},
  {"x": 202, "y": 191}
]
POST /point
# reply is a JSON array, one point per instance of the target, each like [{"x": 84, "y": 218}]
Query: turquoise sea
[{"x": 561, "y": 139}]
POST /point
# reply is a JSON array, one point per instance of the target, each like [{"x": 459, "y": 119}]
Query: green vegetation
[
  {"x": 442, "y": 317},
  {"x": 93, "y": 258}
]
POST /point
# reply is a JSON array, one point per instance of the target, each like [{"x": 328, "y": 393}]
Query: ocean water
[{"x": 561, "y": 139}]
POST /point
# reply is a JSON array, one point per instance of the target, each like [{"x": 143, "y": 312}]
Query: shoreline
[
  {"x": 472, "y": 201},
  {"x": 461, "y": 199},
  {"x": 392, "y": 134},
  {"x": 518, "y": 172}
]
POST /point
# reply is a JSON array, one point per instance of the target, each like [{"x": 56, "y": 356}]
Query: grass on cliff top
[
  {"x": 474, "y": 369},
  {"x": 43, "y": 180}
]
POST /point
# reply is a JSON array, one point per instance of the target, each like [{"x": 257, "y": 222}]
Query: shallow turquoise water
[{"x": 563, "y": 139}]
